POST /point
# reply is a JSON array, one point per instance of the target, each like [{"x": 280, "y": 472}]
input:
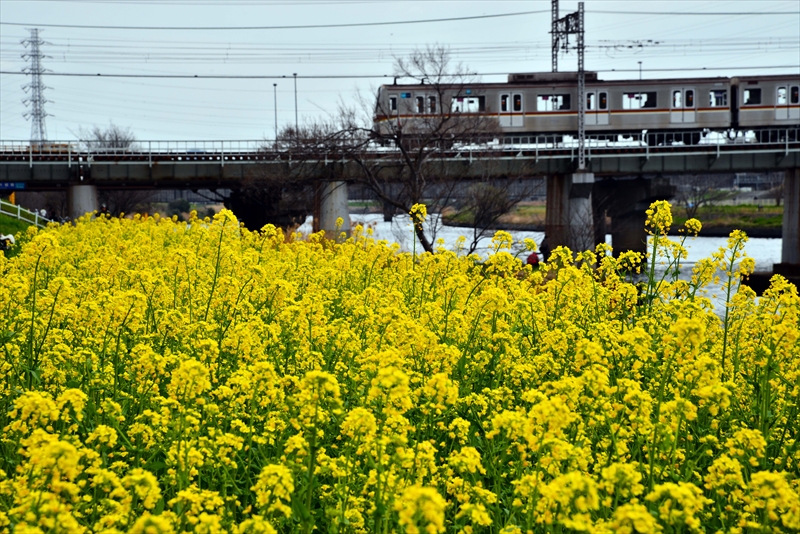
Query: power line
[
  {"x": 696, "y": 13},
  {"x": 292, "y": 27},
  {"x": 400, "y": 22},
  {"x": 363, "y": 76}
]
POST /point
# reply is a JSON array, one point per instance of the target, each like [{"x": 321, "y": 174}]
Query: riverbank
[
  {"x": 11, "y": 225},
  {"x": 718, "y": 221},
  {"x": 708, "y": 230}
]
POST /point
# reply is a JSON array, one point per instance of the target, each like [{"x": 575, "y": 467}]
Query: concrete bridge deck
[
  {"x": 193, "y": 164},
  {"x": 572, "y": 196}
]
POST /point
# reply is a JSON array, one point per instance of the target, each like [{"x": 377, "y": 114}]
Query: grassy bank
[
  {"x": 752, "y": 219},
  {"x": 744, "y": 216},
  {"x": 524, "y": 214},
  {"x": 11, "y": 225}
]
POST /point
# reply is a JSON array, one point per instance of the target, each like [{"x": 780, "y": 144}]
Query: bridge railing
[
  {"x": 18, "y": 212},
  {"x": 773, "y": 139},
  {"x": 54, "y": 148}
]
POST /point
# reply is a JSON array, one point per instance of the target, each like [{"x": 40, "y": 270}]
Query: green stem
[{"x": 216, "y": 270}]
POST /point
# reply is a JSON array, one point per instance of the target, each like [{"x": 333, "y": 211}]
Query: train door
[
  {"x": 683, "y": 105},
  {"x": 596, "y": 108},
  {"x": 786, "y": 99},
  {"x": 511, "y": 110}
]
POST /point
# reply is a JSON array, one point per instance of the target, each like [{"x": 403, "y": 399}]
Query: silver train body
[{"x": 546, "y": 103}]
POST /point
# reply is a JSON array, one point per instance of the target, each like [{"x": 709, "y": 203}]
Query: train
[{"x": 546, "y": 103}]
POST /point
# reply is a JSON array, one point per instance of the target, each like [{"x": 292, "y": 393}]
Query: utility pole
[
  {"x": 36, "y": 87},
  {"x": 572, "y": 24},
  {"x": 275, "y": 98},
  {"x": 295, "y": 103},
  {"x": 581, "y": 93},
  {"x": 640, "y": 70}
]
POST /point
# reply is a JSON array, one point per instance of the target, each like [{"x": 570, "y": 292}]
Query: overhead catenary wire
[
  {"x": 286, "y": 27},
  {"x": 390, "y": 23},
  {"x": 364, "y": 76}
]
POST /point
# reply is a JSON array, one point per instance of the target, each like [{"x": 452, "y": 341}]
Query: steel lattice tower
[
  {"x": 35, "y": 87},
  {"x": 573, "y": 24},
  {"x": 554, "y": 34}
]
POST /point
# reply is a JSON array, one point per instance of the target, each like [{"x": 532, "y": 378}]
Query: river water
[{"x": 765, "y": 251}]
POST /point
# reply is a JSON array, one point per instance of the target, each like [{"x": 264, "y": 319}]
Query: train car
[
  {"x": 546, "y": 103},
  {"x": 766, "y": 103}
]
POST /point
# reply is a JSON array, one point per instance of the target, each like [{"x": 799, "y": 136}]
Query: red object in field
[{"x": 533, "y": 259}]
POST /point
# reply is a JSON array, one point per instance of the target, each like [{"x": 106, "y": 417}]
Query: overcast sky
[{"x": 618, "y": 37}]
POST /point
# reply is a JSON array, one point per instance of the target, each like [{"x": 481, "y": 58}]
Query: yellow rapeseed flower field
[{"x": 160, "y": 376}]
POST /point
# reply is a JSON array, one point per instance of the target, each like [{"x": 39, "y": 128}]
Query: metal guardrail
[
  {"x": 530, "y": 146},
  {"x": 18, "y": 212}
]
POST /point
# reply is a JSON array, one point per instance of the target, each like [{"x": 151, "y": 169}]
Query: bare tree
[
  {"x": 120, "y": 201},
  {"x": 776, "y": 193},
  {"x": 485, "y": 203},
  {"x": 695, "y": 191},
  {"x": 400, "y": 158},
  {"x": 114, "y": 137},
  {"x": 110, "y": 137}
]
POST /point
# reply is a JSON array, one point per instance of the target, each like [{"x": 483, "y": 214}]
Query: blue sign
[
  {"x": 12, "y": 185},
  {"x": 405, "y": 95},
  {"x": 469, "y": 91}
]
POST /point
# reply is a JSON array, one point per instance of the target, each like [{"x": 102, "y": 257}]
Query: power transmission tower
[
  {"x": 36, "y": 87},
  {"x": 572, "y": 24}
]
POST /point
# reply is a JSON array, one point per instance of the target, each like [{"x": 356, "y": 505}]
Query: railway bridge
[{"x": 571, "y": 195}]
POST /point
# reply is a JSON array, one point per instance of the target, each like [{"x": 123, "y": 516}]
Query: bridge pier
[
  {"x": 790, "y": 252},
  {"x": 569, "y": 218},
  {"x": 625, "y": 202},
  {"x": 81, "y": 199},
  {"x": 333, "y": 205}
]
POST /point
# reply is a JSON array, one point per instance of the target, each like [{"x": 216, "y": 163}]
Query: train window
[
  {"x": 677, "y": 99},
  {"x": 392, "y": 102},
  {"x": 718, "y": 98},
  {"x": 468, "y": 104},
  {"x": 795, "y": 98},
  {"x": 638, "y": 100},
  {"x": 689, "y": 98},
  {"x": 432, "y": 104},
  {"x": 420, "y": 104},
  {"x": 553, "y": 102},
  {"x": 752, "y": 97},
  {"x": 603, "y": 100},
  {"x": 591, "y": 101},
  {"x": 503, "y": 103},
  {"x": 781, "y": 96},
  {"x": 517, "y": 102}
]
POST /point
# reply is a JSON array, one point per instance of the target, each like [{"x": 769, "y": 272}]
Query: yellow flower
[
  {"x": 421, "y": 510},
  {"x": 144, "y": 485},
  {"x": 693, "y": 226},
  {"x": 418, "y": 212},
  {"x": 151, "y": 524},
  {"x": 679, "y": 505},
  {"x": 189, "y": 381},
  {"x": 659, "y": 217},
  {"x": 274, "y": 489},
  {"x": 103, "y": 435},
  {"x": 634, "y": 518}
]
